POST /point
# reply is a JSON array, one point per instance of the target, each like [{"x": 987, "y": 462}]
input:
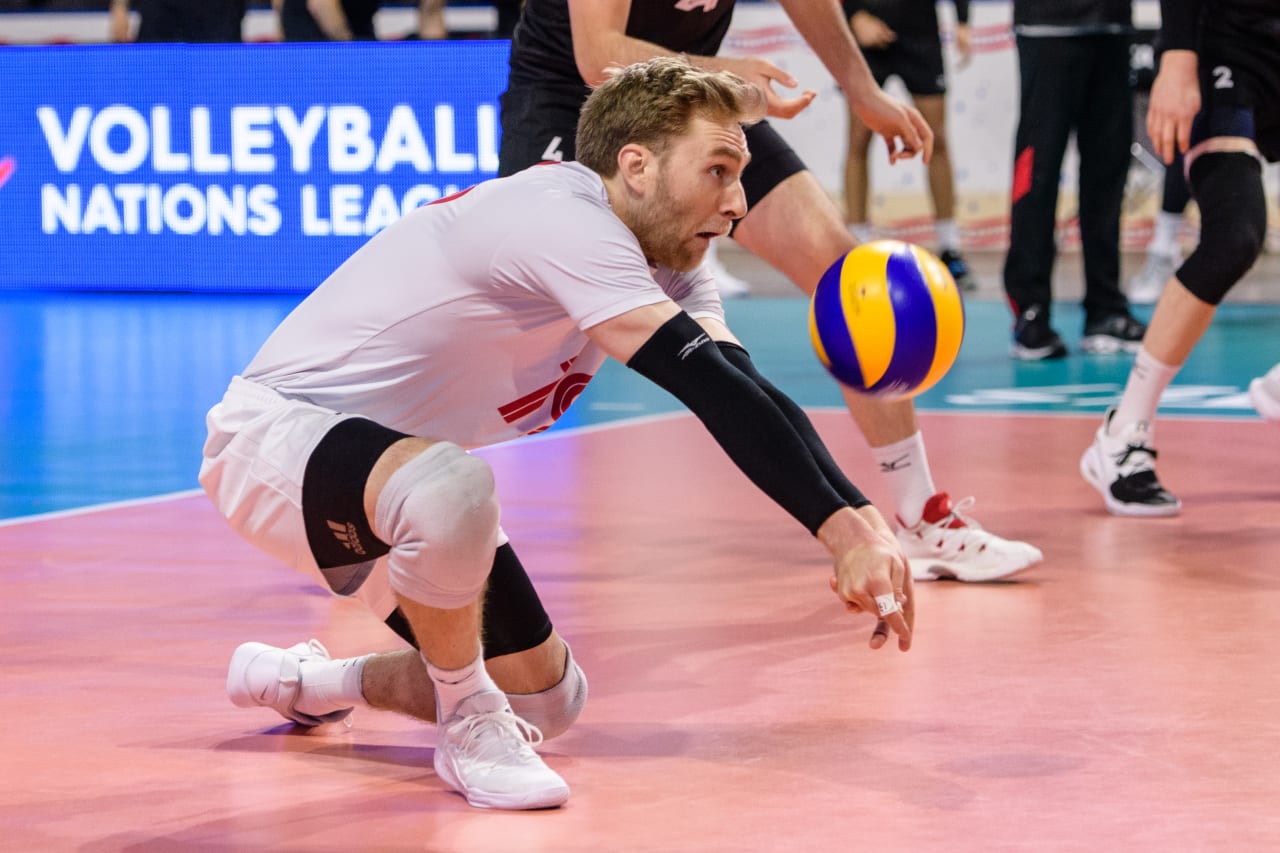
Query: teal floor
[{"x": 102, "y": 396}]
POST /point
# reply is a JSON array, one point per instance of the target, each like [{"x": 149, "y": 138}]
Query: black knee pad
[{"x": 1227, "y": 186}]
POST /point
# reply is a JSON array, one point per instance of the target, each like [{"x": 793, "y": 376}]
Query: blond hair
[{"x": 648, "y": 103}]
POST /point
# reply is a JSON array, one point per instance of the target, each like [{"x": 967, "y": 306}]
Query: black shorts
[
  {"x": 1240, "y": 92},
  {"x": 540, "y": 124},
  {"x": 916, "y": 60}
]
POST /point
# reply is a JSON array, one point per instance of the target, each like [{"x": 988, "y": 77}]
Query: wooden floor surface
[{"x": 1122, "y": 696}]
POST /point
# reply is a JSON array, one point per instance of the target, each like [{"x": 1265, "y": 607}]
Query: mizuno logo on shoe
[
  {"x": 693, "y": 345},
  {"x": 347, "y": 535}
]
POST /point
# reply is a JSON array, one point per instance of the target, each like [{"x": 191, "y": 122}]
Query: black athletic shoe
[
  {"x": 1122, "y": 468},
  {"x": 1034, "y": 339},
  {"x": 959, "y": 270},
  {"x": 1112, "y": 334}
]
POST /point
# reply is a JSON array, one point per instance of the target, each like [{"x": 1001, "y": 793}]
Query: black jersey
[
  {"x": 1184, "y": 22},
  {"x": 906, "y": 17},
  {"x": 542, "y": 46}
]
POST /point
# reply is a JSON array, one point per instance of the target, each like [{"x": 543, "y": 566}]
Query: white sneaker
[
  {"x": 946, "y": 543},
  {"x": 270, "y": 677},
  {"x": 485, "y": 752},
  {"x": 1122, "y": 469},
  {"x": 1264, "y": 393},
  {"x": 729, "y": 285},
  {"x": 1145, "y": 287}
]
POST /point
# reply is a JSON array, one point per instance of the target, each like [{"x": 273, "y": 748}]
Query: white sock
[
  {"x": 1164, "y": 241},
  {"x": 862, "y": 231},
  {"x": 454, "y": 685},
  {"x": 1147, "y": 380},
  {"x": 905, "y": 467},
  {"x": 948, "y": 234},
  {"x": 330, "y": 685}
]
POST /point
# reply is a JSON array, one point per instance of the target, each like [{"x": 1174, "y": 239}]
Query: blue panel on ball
[
  {"x": 917, "y": 325},
  {"x": 833, "y": 329}
]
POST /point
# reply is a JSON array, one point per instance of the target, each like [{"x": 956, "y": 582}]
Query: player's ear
[{"x": 636, "y": 165}]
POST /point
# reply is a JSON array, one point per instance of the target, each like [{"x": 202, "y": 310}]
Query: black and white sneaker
[
  {"x": 959, "y": 270},
  {"x": 1112, "y": 334},
  {"x": 1122, "y": 469},
  {"x": 1034, "y": 339}
]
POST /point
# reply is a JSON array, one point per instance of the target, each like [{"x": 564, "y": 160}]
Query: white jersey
[{"x": 464, "y": 320}]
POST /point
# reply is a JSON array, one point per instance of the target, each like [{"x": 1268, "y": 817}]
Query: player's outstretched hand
[{"x": 870, "y": 572}]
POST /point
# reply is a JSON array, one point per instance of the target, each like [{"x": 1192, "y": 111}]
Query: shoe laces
[
  {"x": 955, "y": 532},
  {"x": 1135, "y": 458},
  {"x": 493, "y": 737},
  {"x": 1131, "y": 451}
]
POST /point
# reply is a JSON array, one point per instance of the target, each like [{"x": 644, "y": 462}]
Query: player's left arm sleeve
[
  {"x": 962, "y": 11},
  {"x": 741, "y": 417},
  {"x": 741, "y": 359}
]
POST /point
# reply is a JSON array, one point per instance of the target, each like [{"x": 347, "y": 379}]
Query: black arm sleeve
[
  {"x": 962, "y": 11},
  {"x": 739, "y": 358},
  {"x": 757, "y": 436},
  {"x": 1178, "y": 22}
]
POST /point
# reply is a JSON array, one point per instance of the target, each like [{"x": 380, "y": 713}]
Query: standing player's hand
[
  {"x": 904, "y": 130},
  {"x": 1175, "y": 101},
  {"x": 871, "y": 573},
  {"x": 765, "y": 74},
  {"x": 870, "y": 31}
]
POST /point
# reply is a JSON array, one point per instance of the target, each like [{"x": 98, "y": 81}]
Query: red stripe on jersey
[{"x": 517, "y": 409}]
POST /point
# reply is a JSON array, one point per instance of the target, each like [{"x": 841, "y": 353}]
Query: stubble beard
[{"x": 660, "y": 239}]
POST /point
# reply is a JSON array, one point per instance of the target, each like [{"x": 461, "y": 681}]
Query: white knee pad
[
  {"x": 439, "y": 514},
  {"x": 555, "y": 709}
]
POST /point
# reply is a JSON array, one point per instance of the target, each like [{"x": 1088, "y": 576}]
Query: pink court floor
[{"x": 1121, "y": 696}]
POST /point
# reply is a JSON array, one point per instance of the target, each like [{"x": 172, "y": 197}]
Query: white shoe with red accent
[{"x": 949, "y": 544}]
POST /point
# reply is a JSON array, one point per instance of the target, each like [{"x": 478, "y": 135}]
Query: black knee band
[
  {"x": 514, "y": 619},
  {"x": 333, "y": 501},
  {"x": 1227, "y": 186}
]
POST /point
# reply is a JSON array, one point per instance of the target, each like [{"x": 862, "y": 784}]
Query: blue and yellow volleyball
[{"x": 887, "y": 319}]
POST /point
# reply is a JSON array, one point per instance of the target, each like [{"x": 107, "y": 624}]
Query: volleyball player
[
  {"x": 341, "y": 447},
  {"x": 1217, "y": 99}
]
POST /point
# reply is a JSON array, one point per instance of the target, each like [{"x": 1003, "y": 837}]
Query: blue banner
[{"x": 230, "y": 167}]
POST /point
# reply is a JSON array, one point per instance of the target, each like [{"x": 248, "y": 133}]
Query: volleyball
[{"x": 887, "y": 319}]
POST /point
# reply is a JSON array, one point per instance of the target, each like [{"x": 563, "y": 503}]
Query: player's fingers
[
  {"x": 785, "y": 108},
  {"x": 926, "y": 135},
  {"x": 880, "y": 635},
  {"x": 779, "y": 76},
  {"x": 1184, "y": 137},
  {"x": 898, "y": 622},
  {"x": 909, "y": 603},
  {"x": 889, "y": 607},
  {"x": 1166, "y": 140}
]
